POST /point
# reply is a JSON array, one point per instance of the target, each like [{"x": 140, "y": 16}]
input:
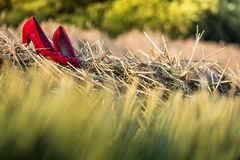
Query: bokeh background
[
  {"x": 119, "y": 24},
  {"x": 175, "y": 18}
]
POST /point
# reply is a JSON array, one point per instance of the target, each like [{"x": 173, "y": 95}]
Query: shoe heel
[{"x": 25, "y": 40}]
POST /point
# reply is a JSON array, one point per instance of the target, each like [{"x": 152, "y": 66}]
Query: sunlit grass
[{"x": 43, "y": 116}]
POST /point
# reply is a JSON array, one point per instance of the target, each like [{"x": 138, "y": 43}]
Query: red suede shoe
[
  {"x": 32, "y": 31},
  {"x": 62, "y": 43}
]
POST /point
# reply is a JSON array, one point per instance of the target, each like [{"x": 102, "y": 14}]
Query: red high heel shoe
[
  {"x": 32, "y": 31},
  {"x": 62, "y": 43}
]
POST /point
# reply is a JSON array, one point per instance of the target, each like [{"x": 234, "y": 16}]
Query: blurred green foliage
[
  {"x": 223, "y": 24},
  {"x": 175, "y": 18}
]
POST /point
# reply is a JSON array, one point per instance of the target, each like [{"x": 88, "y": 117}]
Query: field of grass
[
  {"x": 44, "y": 117},
  {"x": 53, "y": 112}
]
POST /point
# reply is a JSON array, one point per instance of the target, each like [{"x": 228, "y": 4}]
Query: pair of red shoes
[{"x": 61, "y": 52}]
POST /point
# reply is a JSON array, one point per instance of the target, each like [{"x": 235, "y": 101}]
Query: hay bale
[{"x": 159, "y": 71}]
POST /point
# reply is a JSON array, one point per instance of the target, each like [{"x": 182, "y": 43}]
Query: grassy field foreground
[
  {"x": 116, "y": 108},
  {"x": 45, "y": 117}
]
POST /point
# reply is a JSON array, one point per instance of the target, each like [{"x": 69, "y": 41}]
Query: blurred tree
[
  {"x": 176, "y": 18},
  {"x": 5, "y": 4},
  {"x": 71, "y": 5},
  {"x": 173, "y": 17},
  {"x": 223, "y": 24}
]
